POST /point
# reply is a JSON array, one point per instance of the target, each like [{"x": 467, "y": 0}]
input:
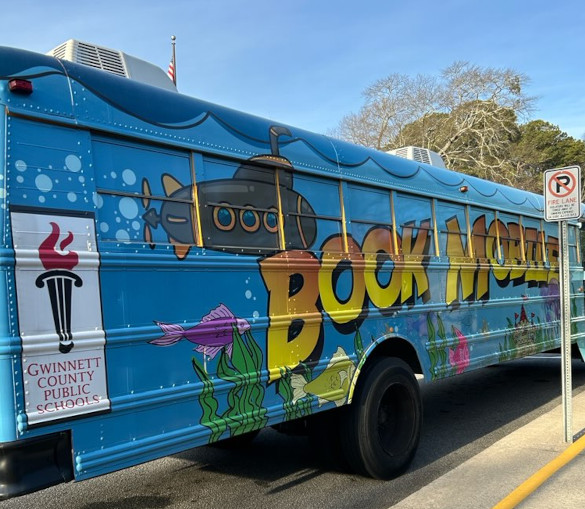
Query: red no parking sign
[{"x": 562, "y": 194}]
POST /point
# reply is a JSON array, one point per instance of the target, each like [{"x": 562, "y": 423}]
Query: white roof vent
[
  {"x": 112, "y": 61},
  {"x": 422, "y": 155}
]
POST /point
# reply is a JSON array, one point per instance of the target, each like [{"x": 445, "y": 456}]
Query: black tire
[{"x": 381, "y": 431}]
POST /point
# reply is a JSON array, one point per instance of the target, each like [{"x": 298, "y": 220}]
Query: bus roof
[{"x": 80, "y": 95}]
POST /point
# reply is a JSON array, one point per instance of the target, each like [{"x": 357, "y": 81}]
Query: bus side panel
[{"x": 9, "y": 345}]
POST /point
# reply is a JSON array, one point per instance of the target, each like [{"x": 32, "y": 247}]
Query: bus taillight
[{"x": 19, "y": 86}]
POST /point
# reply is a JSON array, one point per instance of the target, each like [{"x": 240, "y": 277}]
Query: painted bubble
[
  {"x": 104, "y": 227},
  {"x": 73, "y": 163},
  {"x": 72, "y": 197},
  {"x": 128, "y": 208},
  {"x": 122, "y": 236},
  {"x": 136, "y": 225},
  {"x": 43, "y": 183},
  {"x": 248, "y": 294},
  {"x": 20, "y": 179},
  {"x": 129, "y": 177},
  {"x": 20, "y": 165},
  {"x": 98, "y": 201}
]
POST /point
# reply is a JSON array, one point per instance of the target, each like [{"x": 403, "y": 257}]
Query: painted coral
[{"x": 459, "y": 356}]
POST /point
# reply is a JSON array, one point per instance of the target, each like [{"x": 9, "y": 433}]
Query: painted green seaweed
[
  {"x": 508, "y": 347},
  {"x": 209, "y": 404},
  {"x": 300, "y": 408},
  {"x": 358, "y": 345},
  {"x": 245, "y": 411},
  {"x": 438, "y": 348}
]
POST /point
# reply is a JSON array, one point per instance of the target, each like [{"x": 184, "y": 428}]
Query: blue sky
[{"x": 306, "y": 62}]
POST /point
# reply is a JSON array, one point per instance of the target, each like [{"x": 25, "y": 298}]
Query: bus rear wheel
[{"x": 381, "y": 431}]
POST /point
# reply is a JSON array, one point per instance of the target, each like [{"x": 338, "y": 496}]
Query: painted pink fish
[
  {"x": 459, "y": 357},
  {"x": 211, "y": 334}
]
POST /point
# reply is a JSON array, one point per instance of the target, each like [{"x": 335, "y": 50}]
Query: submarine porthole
[
  {"x": 224, "y": 218},
  {"x": 249, "y": 220},
  {"x": 271, "y": 221}
]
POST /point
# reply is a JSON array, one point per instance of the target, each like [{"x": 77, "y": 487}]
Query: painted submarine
[{"x": 239, "y": 214}]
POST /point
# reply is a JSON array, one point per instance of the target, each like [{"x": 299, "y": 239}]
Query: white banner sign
[{"x": 59, "y": 315}]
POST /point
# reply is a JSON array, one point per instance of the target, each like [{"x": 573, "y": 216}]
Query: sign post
[{"x": 562, "y": 195}]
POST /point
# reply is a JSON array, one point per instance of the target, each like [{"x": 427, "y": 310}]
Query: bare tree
[
  {"x": 468, "y": 115},
  {"x": 391, "y": 104}
]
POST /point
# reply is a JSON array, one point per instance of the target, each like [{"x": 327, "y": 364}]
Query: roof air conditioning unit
[
  {"x": 112, "y": 61},
  {"x": 422, "y": 155}
]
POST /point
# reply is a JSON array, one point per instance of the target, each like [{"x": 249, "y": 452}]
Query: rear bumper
[{"x": 33, "y": 464}]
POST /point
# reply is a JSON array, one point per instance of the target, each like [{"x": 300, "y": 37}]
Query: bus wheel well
[{"x": 399, "y": 348}]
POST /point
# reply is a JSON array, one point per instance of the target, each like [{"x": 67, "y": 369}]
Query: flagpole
[{"x": 173, "y": 39}]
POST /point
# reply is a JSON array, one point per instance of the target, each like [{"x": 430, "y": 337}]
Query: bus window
[
  {"x": 144, "y": 193},
  {"x": 512, "y": 239},
  {"x": 552, "y": 242},
  {"x": 238, "y": 205},
  {"x": 414, "y": 220},
  {"x": 366, "y": 209},
  {"x": 483, "y": 235},
  {"x": 452, "y": 226},
  {"x": 313, "y": 205},
  {"x": 533, "y": 241}
]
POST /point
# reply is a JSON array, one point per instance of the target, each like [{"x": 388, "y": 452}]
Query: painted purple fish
[{"x": 211, "y": 334}]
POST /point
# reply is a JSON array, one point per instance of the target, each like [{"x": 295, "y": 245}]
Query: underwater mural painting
[{"x": 317, "y": 290}]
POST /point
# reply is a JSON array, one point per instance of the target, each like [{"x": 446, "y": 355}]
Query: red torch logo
[{"x": 59, "y": 281}]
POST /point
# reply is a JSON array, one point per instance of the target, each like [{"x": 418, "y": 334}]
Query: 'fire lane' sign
[{"x": 562, "y": 194}]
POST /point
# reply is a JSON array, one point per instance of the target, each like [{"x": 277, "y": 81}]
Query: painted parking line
[{"x": 533, "y": 482}]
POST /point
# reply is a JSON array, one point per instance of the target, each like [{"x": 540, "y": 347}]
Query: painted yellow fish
[{"x": 331, "y": 385}]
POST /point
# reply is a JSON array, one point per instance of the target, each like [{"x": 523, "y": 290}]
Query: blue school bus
[{"x": 177, "y": 273}]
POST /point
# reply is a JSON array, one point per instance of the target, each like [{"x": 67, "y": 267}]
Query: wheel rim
[{"x": 396, "y": 416}]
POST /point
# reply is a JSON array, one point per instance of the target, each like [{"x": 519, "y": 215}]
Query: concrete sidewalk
[{"x": 490, "y": 476}]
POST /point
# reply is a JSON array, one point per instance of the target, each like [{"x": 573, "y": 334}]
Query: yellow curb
[{"x": 534, "y": 481}]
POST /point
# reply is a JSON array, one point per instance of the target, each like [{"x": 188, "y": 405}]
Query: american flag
[{"x": 171, "y": 71}]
